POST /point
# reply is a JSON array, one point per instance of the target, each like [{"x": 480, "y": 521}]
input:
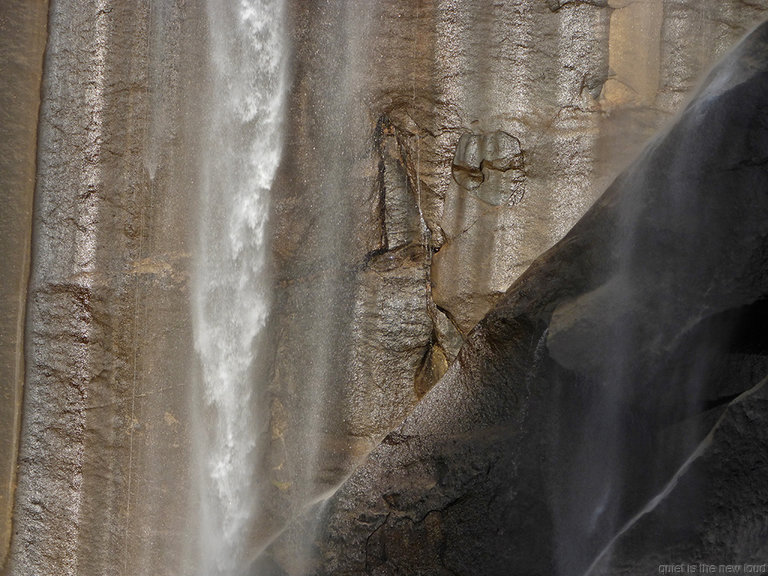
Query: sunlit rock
[
  {"x": 502, "y": 151},
  {"x": 468, "y": 161},
  {"x": 379, "y": 264},
  {"x": 489, "y": 157},
  {"x": 594, "y": 422}
]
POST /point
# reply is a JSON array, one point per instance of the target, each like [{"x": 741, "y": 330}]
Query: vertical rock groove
[
  {"x": 23, "y": 29},
  {"x": 104, "y": 454},
  {"x": 432, "y": 150}
]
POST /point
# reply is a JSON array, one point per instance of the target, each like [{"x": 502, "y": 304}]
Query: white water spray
[{"x": 239, "y": 160}]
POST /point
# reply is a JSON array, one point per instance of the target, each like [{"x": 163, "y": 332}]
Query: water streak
[{"x": 230, "y": 299}]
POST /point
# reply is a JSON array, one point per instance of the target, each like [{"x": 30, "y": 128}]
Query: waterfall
[{"x": 230, "y": 299}]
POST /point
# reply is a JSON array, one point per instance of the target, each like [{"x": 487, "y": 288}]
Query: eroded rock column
[
  {"x": 22, "y": 42},
  {"x": 104, "y": 457}
]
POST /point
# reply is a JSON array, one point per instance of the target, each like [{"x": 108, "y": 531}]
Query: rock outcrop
[
  {"x": 382, "y": 263},
  {"x": 608, "y": 415},
  {"x": 104, "y": 457},
  {"x": 480, "y": 157},
  {"x": 22, "y": 43},
  {"x": 411, "y": 198}
]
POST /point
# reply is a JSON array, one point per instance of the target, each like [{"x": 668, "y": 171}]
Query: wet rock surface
[
  {"x": 383, "y": 265},
  {"x": 480, "y": 157},
  {"x": 502, "y": 466},
  {"x": 410, "y": 199},
  {"x": 104, "y": 456},
  {"x": 468, "y": 162},
  {"x": 22, "y": 43}
]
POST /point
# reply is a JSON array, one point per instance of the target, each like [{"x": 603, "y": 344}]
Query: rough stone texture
[
  {"x": 582, "y": 85},
  {"x": 531, "y": 458},
  {"x": 372, "y": 230},
  {"x": 382, "y": 263},
  {"x": 22, "y": 43},
  {"x": 480, "y": 157},
  {"x": 714, "y": 512},
  {"x": 103, "y": 478},
  {"x": 468, "y": 161}
]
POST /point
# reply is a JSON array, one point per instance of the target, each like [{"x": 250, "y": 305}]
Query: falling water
[{"x": 240, "y": 156}]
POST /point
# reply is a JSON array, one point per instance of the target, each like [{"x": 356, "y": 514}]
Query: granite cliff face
[
  {"x": 607, "y": 416},
  {"x": 570, "y": 90},
  {"x": 433, "y": 150},
  {"x": 102, "y": 487},
  {"x": 22, "y": 42}
]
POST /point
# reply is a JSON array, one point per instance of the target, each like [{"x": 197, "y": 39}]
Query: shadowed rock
[{"x": 608, "y": 414}]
